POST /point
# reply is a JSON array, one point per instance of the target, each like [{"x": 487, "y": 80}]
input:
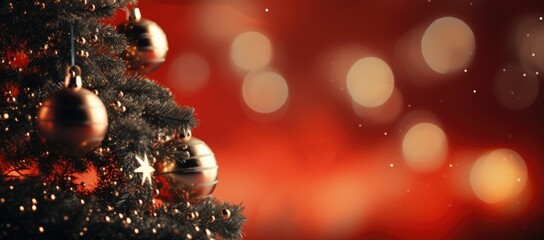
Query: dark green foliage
[{"x": 35, "y": 51}]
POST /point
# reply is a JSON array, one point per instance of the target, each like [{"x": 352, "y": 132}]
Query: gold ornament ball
[
  {"x": 147, "y": 44},
  {"x": 73, "y": 120},
  {"x": 192, "y": 179},
  {"x": 225, "y": 213}
]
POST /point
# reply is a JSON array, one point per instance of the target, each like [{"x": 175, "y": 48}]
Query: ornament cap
[
  {"x": 186, "y": 133},
  {"x": 134, "y": 14},
  {"x": 73, "y": 77}
]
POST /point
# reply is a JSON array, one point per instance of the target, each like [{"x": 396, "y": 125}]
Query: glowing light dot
[
  {"x": 251, "y": 51},
  {"x": 528, "y": 35},
  {"x": 41, "y": 229},
  {"x": 266, "y": 9},
  {"x": 391, "y": 165},
  {"x": 360, "y": 125},
  {"x": 504, "y": 69},
  {"x": 525, "y": 88},
  {"x": 385, "y": 133},
  {"x": 498, "y": 176},
  {"x": 21, "y": 208},
  {"x": 474, "y": 91},
  {"x": 532, "y": 47},
  {"x": 451, "y": 165},
  {"x": 466, "y": 70},
  {"x": 424, "y": 147},
  {"x": 448, "y": 45},
  {"x": 265, "y": 92},
  {"x": 370, "y": 82},
  {"x": 540, "y": 18}
]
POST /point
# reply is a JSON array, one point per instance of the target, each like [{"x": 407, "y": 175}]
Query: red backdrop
[{"x": 314, "y": 168}]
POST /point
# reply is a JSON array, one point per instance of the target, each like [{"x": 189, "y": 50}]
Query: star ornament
[{"x": 144, "y": 168}]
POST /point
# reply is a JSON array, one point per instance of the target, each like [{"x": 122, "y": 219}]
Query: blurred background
[{"x": 392, "y": 119}]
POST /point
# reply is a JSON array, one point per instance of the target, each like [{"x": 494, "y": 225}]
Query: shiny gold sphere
[
  {"x": 147, "y": 44},
  {"x": 192, "y": 179},
  {"x": 73, "y": 121}
]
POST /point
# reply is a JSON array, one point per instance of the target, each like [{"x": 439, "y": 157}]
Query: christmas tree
[{"x": 89, "y": 148}]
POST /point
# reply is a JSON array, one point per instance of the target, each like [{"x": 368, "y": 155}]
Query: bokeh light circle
[
  {"x": 425, "y": 147},
  {"x": 265, "y": 92},
  {"x": 251, "y": 51},
  {"x": 448, "y": 45},
  {"x": 370, "y": 82},
  {"x": 383, "y": 114},
  {"x": 528, "y": 38},
  {"x": 498, "y": 176},
  {"x": 188, "y": 72}
]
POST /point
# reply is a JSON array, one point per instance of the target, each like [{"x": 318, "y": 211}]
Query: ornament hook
[
  {"x": 73, "y": 77},
  {"x": 186, "y": 133},
  {"x": 72, "y": 47},
  {"x": 73, "y": 72},
  {"x": 134, "y": 14}
]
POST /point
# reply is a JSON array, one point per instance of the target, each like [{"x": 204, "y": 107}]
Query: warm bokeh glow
[
  {"x": 383, "y": 114},
  {"x": 370, "y": 82},
  {"x": 336, "y": 62},
  {"x": 498, "y": 176},
  {"x": 223, "y": 22},
  {"x": 251, "y": 51},
  {"x": 188, "y": 72},
  {"x": 411, "y": 62},
  {"x": 515, "y": 87},
  {"x": 311, "y": 158},
  {"x": 425, "y": 147},
  {"x": 448, "y": 45},
  {"x": 265, "y": 92},
  {"x": 528, "y": 39}
]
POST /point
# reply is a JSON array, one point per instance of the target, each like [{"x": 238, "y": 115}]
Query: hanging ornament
[
  {"x": 73, "y": 120},
  {"x": 147, "y": 44},
  {"x": 192, "y": 178}
]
